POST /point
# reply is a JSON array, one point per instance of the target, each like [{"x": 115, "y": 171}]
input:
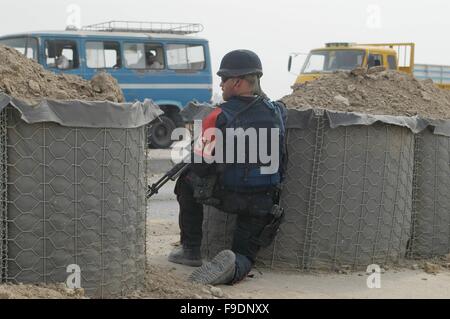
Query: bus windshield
[
  {"x": 25, "y": 45},
  {"x": 333, "y": 60}
]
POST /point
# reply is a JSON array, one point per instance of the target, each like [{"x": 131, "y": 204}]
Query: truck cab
[{"x": 348, "y": 56}]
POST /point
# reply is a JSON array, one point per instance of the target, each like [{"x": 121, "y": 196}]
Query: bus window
[
  {"x": 26, "y": 46},
  {"x": 134, "y": 55},
  {"x": 61, "y": 54},
  {"x": 103, "y": 55},
  {"x": 185, "y": 57},
  {"x": 392, "y": 61},
  {"x": 154, "y": 56},
  {"x": 144, "y": 56}
]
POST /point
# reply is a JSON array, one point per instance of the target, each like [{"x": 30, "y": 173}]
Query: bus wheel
[{"x": 160, "y": 133}]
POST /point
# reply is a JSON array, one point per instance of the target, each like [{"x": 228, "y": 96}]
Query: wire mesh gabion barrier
[
  {"x": 431, "y": 200},
  {"x": 3, "y": 196},
  {"x": 347, "y": 195},
  {"x": 218, "y": 228},
  {"x": 75, "y": 195}
]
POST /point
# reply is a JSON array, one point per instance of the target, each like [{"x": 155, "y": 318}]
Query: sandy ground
[
  {"x": 166, "y": 280},
  {"x": 264, "y": 283},
  {"x": 39, "y": 292}
]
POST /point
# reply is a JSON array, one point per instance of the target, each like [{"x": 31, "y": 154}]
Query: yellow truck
[{"x": 348, "y": 56}]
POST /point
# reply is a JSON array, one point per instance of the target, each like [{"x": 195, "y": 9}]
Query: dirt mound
[
  {"x": 375, "y": 91},
  {"x": 26, "y": 79},
  {"x": 161, "y": 284},
  {"x": 8, "y": 291},
  {"x": 104, "y": 84}
]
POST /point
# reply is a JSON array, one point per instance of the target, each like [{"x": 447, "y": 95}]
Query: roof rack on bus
[{"x": 145, "y": 27}]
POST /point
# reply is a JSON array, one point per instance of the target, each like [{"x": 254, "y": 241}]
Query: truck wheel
[{"x": 160, "y": 133}]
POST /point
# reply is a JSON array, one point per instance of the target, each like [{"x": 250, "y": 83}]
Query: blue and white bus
[{"x": 160, "y": 61}]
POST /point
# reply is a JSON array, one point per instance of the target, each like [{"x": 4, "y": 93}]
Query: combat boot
[
  {"x": 189, "y": 256},
  {"x": 220, "y": 270}
]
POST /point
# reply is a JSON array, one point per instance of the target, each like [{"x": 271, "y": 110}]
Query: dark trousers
[{"x": 253, "y": 211}]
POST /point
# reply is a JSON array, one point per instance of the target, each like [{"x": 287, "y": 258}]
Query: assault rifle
[{"x": 171, "y": 175}]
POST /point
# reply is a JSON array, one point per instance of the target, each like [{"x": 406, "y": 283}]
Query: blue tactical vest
[{"x": 247, "y": 177}]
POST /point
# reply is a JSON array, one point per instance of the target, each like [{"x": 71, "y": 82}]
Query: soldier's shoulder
[
  {"x": 232, "y": 102},
  {"x": 280, "y": 103},
  {"x": 211, "y": 119}
]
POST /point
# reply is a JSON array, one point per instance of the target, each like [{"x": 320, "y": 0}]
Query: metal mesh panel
[
  {"x": 431, "y": 201},
  {"x": 3, "y": 197},
  {"x": 218, "y": 228},
  {"x": 76, "y": 196},
  {"x": 347, "y": 197}
]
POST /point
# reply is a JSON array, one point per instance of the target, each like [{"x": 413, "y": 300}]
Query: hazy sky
[{"x": 273, "y": 29}]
